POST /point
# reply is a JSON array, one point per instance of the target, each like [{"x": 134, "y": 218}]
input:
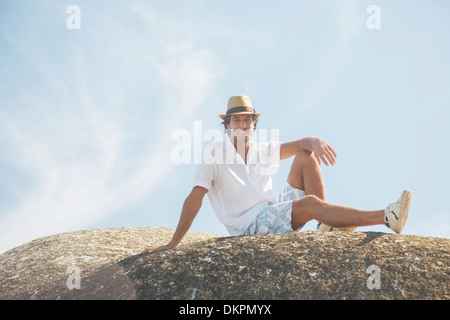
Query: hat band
[{"x": 240, "y": 109}]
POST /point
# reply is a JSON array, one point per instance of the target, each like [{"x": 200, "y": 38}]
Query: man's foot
[
  {"x": 324, "y": 228},
  {"x": 396, "y": 213}
]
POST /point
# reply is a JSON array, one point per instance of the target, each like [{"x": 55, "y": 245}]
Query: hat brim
[{"x": 223, "y": 116}]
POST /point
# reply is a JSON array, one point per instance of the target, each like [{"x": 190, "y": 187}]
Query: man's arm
[
  {"x": 191, "y": 207},
  {"x": 322, "y": 150}
]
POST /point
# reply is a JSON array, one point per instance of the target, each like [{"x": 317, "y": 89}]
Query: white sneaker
[
  {"x": 324, "y": 228},
  {"x": 396, "y": 213}
]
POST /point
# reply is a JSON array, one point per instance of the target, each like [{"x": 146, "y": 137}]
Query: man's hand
[
  {"x": 154, "y": 249},
  {"x": 323, "y": 152},
  {"x": 191, "y": 206}
]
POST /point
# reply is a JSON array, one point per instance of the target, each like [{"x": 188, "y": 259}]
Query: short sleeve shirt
[{"x": 238, "y": 191}]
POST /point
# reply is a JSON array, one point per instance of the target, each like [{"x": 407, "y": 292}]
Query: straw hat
[{"x": 239, "y": 105}]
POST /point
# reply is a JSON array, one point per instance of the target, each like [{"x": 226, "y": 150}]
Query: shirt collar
[{"x": 232, "y": 150}]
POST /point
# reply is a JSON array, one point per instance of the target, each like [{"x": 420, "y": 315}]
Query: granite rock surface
[{"x": 107, "y": 264}]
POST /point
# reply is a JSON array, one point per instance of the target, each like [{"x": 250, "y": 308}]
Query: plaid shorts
[{"x": 276, "y": 218}]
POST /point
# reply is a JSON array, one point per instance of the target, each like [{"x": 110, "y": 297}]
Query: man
[{"x": 234, "y": 174}]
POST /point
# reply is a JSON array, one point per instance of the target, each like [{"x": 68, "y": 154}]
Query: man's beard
[{"x": 239, "y": 135}]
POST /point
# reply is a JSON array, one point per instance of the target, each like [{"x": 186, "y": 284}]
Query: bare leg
[
  {"x": 306, "y": 175},
  {"x": 311, "y": 207}
]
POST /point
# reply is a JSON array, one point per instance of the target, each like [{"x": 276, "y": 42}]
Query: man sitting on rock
[{"x": 235, "y": 174}]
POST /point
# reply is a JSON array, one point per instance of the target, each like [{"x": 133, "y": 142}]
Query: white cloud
[{"x": 76, "y": 144}]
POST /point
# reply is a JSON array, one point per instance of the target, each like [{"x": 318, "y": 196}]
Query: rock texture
[{"x": 304, "y": 265}]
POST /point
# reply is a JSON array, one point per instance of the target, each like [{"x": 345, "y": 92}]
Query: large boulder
[{"x": 106, "y": 264}]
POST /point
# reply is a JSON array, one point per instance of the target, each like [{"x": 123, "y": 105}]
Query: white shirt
[{"x": 238, "y": 191}]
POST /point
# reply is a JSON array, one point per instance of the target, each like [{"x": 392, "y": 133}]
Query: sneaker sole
[
  {"x": 405, "y": 203},
  {"x": 324, "y": 228}
]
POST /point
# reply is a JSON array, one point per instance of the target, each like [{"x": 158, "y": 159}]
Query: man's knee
[
  {"x": 307, "y": 202},
  {"x": 305, "y": 157},
  {"x": 303, "y": 210}
]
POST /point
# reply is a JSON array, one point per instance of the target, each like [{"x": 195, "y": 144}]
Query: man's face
[{"x": 241, "y": 127}]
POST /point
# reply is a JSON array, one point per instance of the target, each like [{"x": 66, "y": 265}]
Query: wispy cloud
[{"x": 97, "y": 135}]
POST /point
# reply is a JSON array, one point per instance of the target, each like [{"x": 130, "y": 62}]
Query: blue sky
[{"x": 86, "y": 115}]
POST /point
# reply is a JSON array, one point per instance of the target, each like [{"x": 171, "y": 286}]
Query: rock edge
[{"x": 302, "y": 265}]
